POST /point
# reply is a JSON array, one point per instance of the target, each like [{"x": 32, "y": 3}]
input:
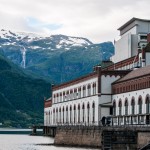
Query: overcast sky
[{"x": 97, "y": 20}]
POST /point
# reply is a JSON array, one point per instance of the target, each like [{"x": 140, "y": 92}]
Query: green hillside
[{"x": 21, "y": 96}]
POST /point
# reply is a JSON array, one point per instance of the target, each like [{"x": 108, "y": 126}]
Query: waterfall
[{"x": 23, "y": 51}]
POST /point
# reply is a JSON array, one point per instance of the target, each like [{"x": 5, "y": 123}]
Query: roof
[
  {"x": 132, "y": 20},
  {"x": 135, "y": 74},
  {"x": 75, "y": 81}
]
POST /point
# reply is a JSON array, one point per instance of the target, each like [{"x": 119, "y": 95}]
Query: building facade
[{"x": 120, "y": 90}]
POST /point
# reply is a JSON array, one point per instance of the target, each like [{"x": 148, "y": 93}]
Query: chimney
[{"x": 97, "y": 68}]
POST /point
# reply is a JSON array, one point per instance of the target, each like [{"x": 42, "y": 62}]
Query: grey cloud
[{"x": 94, "y": 19}]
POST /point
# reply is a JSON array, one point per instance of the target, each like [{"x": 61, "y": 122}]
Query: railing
[{"x": 98, "y": 125}]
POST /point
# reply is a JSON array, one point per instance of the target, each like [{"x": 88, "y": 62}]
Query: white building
[
  {"x": 111, "y": 90},
  {"x": 133, "y": 34}
]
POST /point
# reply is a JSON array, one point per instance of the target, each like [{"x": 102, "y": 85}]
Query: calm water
[{"x": 26, "y": 142}]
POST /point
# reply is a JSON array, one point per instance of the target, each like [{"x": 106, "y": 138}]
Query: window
[
  {"x": 93, "y": 107},
  {"x": 94, "y": 88},
  {"x": 63, "y": 96},
  {"x": 57, "y": 98},
  {"x": 140, "y": 105},
  {"x": 88, "y": 112},
  {"x": 83, "y": 113},
  {"x": 53, "y": 116},
  {"x": 67, "y": 114},
  {"x": 126, "y": 107},
  {"x": 74, "y": 113},
  {"x": 71, "y": 95},
  {"x": 78, "y": 113},
  {"x": 120, "y": 108},
  {"x": 60, "y": 97},
  {"x": 79, "y": 92},
  {"x": 89, "y": 90},
  {"x": 49, "y": 117},
  {"x": 67, "y": 96},
  {"x": 57, "y": 115},
  {"x": 114, "y": 108},
  {"x": 147, "y": 105},
  {"x": 75, "y": 93},
  {"x": 54, "y": 99},
  {"x": 63, "y": 114},
  {"x": 70, "y": 114},
  {"x": 60, "y": 115},
  {"x": 84, "y": 91},
  {"x": 132, "y": 106}
]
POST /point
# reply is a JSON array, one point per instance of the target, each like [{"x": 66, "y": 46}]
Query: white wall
[
  {"x": 122, "y": 48},
  {"x": 78, "y": 101},
  {"x": 129, "y": 96},
  {"x": 143, "y": 27},
  {"x": 106, "y": 82},
  {"x": 85, "y": 101},
  {"x": 47, "y": 116},
  {"x": 81, "y": 84}
]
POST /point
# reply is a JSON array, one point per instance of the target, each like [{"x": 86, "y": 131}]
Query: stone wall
[
  {"x": 92, "y": 137},
  {"x": 143, "y": 138},
  {"x": 78, "y": 137}
]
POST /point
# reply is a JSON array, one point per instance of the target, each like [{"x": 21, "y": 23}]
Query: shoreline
[{"x": 65, "y": 145}]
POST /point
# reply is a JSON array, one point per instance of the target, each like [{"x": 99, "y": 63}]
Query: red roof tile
[{"x": 135, "y": 74}]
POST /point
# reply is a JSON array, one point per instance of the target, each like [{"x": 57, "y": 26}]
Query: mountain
[
  {"x": 21, "y": 96},
  {"x": 57, "y": 58}
]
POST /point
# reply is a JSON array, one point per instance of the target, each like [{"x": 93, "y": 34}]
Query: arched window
[
  {"x": 75, "y": 93},
  {"x": 67, "y": 96},
  {"x": 60, "y": 115},
  {"x": 54, "y": 99},
  {"x": 83, "y": 112},
  {"x": 140, "y": 105},
  {"x": 63, "y": 114},
  {"x": 67, "y": 115},
  {"x": 147, "y": 104},
  {"x": 79, "y": 113},
  {"x": 89, "y": 90},
  {"x": 70, "y": 114},
  {"x": 120, "y": 108},
  {"x": 84, "y": 91},
  {"x": 57, "y": 98},
  {"x": 114, "y": 108},
  {"x": 88, "y": 112},
  {"x": 60, "y": 97},
  {"x": 49, "y": 118},
  {"x": 79, "y": 92},
  {"x": 126, "y": 107},
  {"x": 93, "y": 107},
  {"x": 71, "y": 95},
  {"x": 64, "y": 96},
  {"x": 74, "y": 113},
  {"x": 54, "y": 116},
  {"x": 133, "y": 106},
  {"x": 94, "y": 88}
]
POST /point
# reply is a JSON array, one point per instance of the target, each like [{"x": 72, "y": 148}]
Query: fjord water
[{"x": 10, "y": 141}]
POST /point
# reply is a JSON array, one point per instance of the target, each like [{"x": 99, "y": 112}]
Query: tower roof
[{"x": 132, "y": 20}]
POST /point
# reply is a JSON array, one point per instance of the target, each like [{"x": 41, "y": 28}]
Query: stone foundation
[
  {"x": 78, "y": 137},
  {"x": 92, "y": 137}
]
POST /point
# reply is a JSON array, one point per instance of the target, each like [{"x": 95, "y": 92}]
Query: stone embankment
[
  {"x": 78, "y": 136},
  {"x": 109, "y": 137}
]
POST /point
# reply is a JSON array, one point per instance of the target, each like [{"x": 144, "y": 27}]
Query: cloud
[{"x": 96, "y": 20}]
